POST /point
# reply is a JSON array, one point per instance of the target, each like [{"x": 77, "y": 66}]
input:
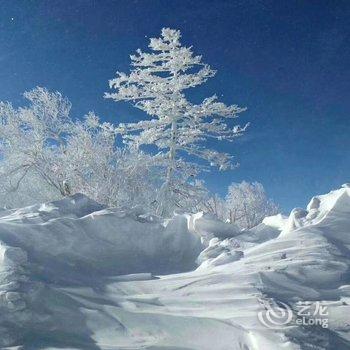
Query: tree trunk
[
  {"x": 172, "y": 153},
  {"x": 166, "y": 194}
]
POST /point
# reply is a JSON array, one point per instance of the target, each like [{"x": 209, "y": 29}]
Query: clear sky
[{"x": 287, "y": 61}]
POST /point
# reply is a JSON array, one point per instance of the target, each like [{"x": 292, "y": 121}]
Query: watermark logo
[
  {"x": 276, "y": 316},
  {"x": 280, "y": 315}
]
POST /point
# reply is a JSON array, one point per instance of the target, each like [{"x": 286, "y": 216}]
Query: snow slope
[{"x": 74, "y": 275}]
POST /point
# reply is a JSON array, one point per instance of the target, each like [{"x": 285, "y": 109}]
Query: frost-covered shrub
[
  {"x": 247, "y": 204},
  {"x": 45, "y": 155}
]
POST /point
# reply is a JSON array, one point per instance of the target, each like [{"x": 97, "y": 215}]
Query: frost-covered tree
[
  {"x": 104, "y": 172},
  {"x": 247, "y": 204},
  {"x": 156, "y": 85},
  {"x": 217, "y": 206},
  {"x": 45, "y": 155},
  {"x": 32, "y": 139}
]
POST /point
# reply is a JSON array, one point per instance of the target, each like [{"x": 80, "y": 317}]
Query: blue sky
[{"x": 287, "y": 61}]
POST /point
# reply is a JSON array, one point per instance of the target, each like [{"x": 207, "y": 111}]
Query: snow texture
[{"x": 74, "y": 275}]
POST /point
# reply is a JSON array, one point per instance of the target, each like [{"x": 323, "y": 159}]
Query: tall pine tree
[{"x": 156, "y": 85}]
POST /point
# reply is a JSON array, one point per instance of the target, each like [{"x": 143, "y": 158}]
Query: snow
[
  {"x": 208, "y": 226},
  {"x": 74, "y": 275}
]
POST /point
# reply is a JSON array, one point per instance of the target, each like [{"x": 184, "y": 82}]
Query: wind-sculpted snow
[
  {"x": 76, "y": 242},
  {"x": 72, "y": 281}
]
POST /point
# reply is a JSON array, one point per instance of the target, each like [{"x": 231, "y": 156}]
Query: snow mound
[
  {"x": 61, "y": 284},
  {"x": 321, "y": 208},
  {"x": 276, "y": 221},
  {"x": 77, "y": 242},
  {"x": 77, "y": 235},
  {"x": 220, "y": 252},
  {"x": 208, "y": 226},
  {"x": 75, "y": 206}
]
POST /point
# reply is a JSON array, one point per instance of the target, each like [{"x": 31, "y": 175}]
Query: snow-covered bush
[
  {"x": 31, "y": 143},
  {"x": 45, "y": 155},
  {"x": 104, "y": 172},
  {"x": 217, "y": 206},
  {"x": 247, "y": 204},
  {"x": 156, "y": 85}
]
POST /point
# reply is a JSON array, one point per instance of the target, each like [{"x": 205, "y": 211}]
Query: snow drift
[
  {"x": 74, "y": 275},
  {"x": 76, "y": 235}
]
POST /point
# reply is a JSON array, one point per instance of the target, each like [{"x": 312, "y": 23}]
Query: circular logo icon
[{"x": 276, "y": 316}]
